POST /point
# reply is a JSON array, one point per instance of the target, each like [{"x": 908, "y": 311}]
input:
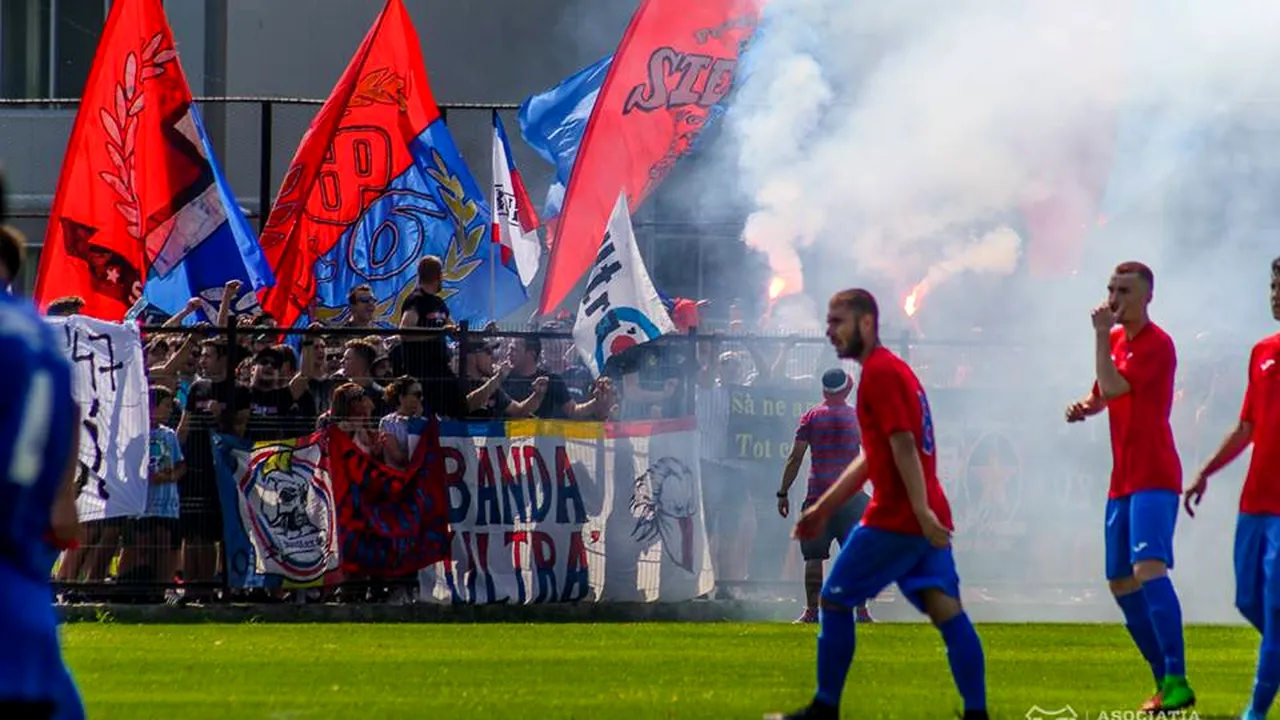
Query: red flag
[
  {"x": 390, "y": 522},
  {"x": 356, "y": 146},
  {"x": 674, "y": 64},
  {"x": 119, "y": 178}
]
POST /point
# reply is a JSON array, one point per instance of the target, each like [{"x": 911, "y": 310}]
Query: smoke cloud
[{"x": 903, "y": 140}]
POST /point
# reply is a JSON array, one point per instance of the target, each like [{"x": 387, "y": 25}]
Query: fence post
[
  {"x": 264, "y": 162},
  {"x": 228, "y": 401},
  {"x": 464, "y": 329}
]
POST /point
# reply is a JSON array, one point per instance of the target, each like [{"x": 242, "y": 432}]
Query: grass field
[{"x": 721, "y": 671}]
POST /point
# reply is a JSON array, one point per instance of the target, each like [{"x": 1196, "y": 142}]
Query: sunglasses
[
  {"x": 414, "y": 393},
  {"x": 366, "y": 300}
]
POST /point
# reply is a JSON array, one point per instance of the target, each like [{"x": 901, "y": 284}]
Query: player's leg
[
  {"x": 1153, "y": 514},
  {"x": 1128, "y": 591},
  {"x": 868, "y": 562},
  {"x": 1261, "y": 535},
  {"x": 933, "y": 586},
  {"x": 1249, "y": 553},
  {"x": 857, "y": 506},
  {"x": 815, "y": 552},
  {"x": 34, "y": 682}
]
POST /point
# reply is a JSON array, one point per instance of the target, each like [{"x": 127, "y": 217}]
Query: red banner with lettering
[{"x": 675, "y": 63}]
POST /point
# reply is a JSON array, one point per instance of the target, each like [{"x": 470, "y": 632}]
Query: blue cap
[{"x": 835, "y": 380}]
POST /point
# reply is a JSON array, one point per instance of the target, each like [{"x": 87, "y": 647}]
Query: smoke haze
[{"x": 897, "y": 140}]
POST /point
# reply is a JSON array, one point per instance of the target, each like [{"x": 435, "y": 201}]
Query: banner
[
  {"x": 762, "y": 422},
  {"x": 140, "y": 197},
  {"x": 317, "y": 508},
  {"x": 675, "y": 64},
  {"x": 545, "y": 511},
  {"x": 109, "y": 383},
  {"x": 279, "y": 512},
  {"x": 376, "y": 184},
  {"x": 620, "y": 308},
  {"x": 390, "y": 522}
]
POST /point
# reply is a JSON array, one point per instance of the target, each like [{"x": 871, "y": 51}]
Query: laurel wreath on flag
[
  {"x": 381, "y": 86},
  {"x": 460, "y": 259},
  {"x": 120, "y": 121}
]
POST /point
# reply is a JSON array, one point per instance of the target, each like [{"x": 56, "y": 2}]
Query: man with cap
[{"x": 831, "y": 430}]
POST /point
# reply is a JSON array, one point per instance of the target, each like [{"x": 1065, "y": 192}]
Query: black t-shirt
[
  {"x": 272, "y": 413},
  {"x": 655, "y": 363},
  {"x": 497, "y": 406},
  {"x": 424, "y": 358},
  {"x": 578, "y": 380},
  {"x": 198, "y": 489},
  {"x": 519, "y": 387},
  {"x": 324, "y": 388}
]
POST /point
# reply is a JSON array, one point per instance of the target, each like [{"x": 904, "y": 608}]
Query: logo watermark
[{"x": 1069, "y": 713}]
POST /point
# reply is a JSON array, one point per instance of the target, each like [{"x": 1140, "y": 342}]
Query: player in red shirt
[
  {"x": 1135, "y": 362},
  {"x": 1257, "y": 552},
  {"x": 905, "y": 535}
]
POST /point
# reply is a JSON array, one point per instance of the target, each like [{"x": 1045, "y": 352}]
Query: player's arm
[
  {"x": 1086, "y": 407},
  {"x": 1232, "y": 445},
  {"x": 64, "y": 524},
  {"x": 791, "y": 469},
  {"x": 1111, "y": 384}
]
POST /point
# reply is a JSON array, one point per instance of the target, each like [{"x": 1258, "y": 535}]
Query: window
[{"x": 47, "y": 46}]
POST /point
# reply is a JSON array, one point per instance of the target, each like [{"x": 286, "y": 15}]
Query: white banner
[
  {"x": 546, "y": 512},
  {"x": 109, "y": 381},
  {"x": 620, "y": 307}
]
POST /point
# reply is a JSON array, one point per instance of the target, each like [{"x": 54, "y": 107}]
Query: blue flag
[
  {"x": 209, "y": 242},
  {"x": 554, "y": 121}
]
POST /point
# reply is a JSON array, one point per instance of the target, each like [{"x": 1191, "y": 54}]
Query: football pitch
[{"x": 631, "y": 671}]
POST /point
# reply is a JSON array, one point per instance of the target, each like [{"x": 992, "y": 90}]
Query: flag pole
[{"x": 493, "y": 275}]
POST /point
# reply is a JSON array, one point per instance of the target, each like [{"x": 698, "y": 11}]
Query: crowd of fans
[
  {"x": 377, "y": 379},
  {"x": 245, "y": 376}
]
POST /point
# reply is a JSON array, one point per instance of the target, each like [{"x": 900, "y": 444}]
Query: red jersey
[
  {"x": 891, "y": 400},
  {"x": 1143, "y": 455},
  {"x": 1261, "y": 493}
]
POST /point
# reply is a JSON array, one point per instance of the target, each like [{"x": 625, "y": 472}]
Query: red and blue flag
[{"x": 376, "y": 184}]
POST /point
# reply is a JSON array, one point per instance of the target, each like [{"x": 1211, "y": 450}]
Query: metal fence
[{"x": 1014, "y": 481}]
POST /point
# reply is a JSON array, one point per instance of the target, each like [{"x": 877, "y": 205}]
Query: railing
[
  {"x": 1051, "y": 481},
  {"x": 266, "y": 129}
]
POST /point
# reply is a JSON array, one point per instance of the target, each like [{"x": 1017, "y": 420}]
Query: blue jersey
[{"x": 37, "y": 434}]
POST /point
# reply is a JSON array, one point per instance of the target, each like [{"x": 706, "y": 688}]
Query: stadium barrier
[{"x": 1000, "y": 450}]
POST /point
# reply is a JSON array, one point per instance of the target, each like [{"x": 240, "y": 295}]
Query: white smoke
[
  {"x": 995, "y": 252},
  {"x": 898, "y": 142},
  {"x": 879, "y": 129}
]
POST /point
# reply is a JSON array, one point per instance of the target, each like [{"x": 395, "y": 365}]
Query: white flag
[
  {"x": 109, "y": 383},
  {"x": 620, "y": 307},
  {"x": 515, "y": 224}
]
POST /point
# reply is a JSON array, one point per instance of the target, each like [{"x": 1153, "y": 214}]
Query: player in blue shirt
[{"x": 38, "y": 457}]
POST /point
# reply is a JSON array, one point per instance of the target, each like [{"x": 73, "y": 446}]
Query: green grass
[{"x": 294, "y": 672}]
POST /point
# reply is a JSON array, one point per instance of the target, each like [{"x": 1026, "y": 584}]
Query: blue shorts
[
  {"x": 31, "y": 667},
  {"x": 1140, "y": 527},
  {"x": 1257, "y": 559},
  {"x": 871, "y": 559}
]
